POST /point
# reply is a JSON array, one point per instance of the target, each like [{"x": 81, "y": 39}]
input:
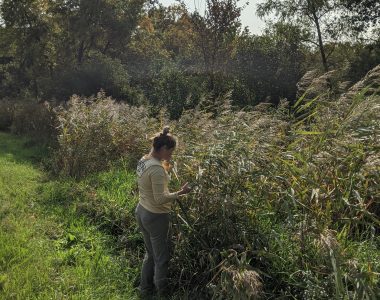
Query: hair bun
[{"x": 166, "y": 130}]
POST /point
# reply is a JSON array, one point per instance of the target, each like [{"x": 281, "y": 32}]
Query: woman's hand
[{"x": 185, "y": 189}]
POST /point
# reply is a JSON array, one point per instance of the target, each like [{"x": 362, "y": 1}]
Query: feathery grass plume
[
  {"x": 95, "y": 131},
  {"x": 238, "y": 284}
]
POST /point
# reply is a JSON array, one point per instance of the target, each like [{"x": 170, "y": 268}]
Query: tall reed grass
[{"x": 286, "y": 199}]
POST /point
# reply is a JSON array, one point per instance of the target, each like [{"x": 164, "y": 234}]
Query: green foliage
[
  {"x": 175, "y": 91},
  {"x": 366, "y": 58},
  {"x": 27, "y": 117},
  {"x": 271, "y": 65},
  {"x": 62, "y": 37},
  {"x": 363, "y": 14},
  {"x": 217, "y": 32},
  {"x": 97, "y": 72},
  {"x": 168, "y": 56}
]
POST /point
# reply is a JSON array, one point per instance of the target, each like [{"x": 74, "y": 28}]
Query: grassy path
[{"x": 49, "y": 251}]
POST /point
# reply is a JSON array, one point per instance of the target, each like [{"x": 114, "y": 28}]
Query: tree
[
  {"x": 46, "y": 39},
  {"x": 361, "y": 14},
  {"x": 25, "y": 22},
  {"x": 102, "y": 25},
  {"x": 217, "y": 33},
  {"x": 271, "y": 64},
  {"x": 313, "y": 14}
]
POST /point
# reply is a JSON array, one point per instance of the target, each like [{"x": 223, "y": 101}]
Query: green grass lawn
[{"x": 50, "y": 251}]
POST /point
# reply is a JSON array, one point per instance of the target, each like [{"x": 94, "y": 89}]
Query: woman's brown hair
[{"x": 164, "y": 138}]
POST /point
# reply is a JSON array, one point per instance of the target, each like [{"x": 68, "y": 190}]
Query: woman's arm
[{"x": 160, "y": 193}]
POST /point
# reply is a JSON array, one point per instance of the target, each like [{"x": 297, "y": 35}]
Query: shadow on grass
[{"x": 22, "y": 149}]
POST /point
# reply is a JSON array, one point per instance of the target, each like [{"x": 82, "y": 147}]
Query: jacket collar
[{"x": 144, "y": 163}]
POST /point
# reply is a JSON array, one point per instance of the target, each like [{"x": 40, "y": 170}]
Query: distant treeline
[{"x": 144, "y": 53}]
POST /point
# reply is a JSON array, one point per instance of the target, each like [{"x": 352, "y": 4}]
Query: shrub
[
  {"x": 95, "y": 131},
  {"x": 174, "y": 90},
  {"x": 97, "y": 72},
  {"x": 29, "y": 117}
]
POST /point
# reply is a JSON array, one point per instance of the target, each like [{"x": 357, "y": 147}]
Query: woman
[{"x": 152, "y": 212}]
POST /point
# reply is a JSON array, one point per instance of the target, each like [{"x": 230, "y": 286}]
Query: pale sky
[{"x": 248, "y": 15}]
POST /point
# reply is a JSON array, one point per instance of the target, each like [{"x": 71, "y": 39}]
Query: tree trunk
[
  {"x": 320, "y": 41},
  {"x": 80, "y": 52},
  {"x": 106, "y": 47}
]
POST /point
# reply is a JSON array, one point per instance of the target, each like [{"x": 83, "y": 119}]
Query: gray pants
[{"x": 155, "y": 229}]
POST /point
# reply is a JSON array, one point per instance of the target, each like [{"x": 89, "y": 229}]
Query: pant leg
[
  {"x": 157, "y": 226},
  {"x": 147, "y": 269},
  {"x": 159, "y": 241}
]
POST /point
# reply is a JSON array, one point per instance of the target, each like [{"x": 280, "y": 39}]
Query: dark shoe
[
  {"x": 146, "y": 293},
  {"x": 163, "y": 294}
]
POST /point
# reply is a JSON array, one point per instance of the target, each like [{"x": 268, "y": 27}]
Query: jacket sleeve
[{"x": 160, "y": 193}]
